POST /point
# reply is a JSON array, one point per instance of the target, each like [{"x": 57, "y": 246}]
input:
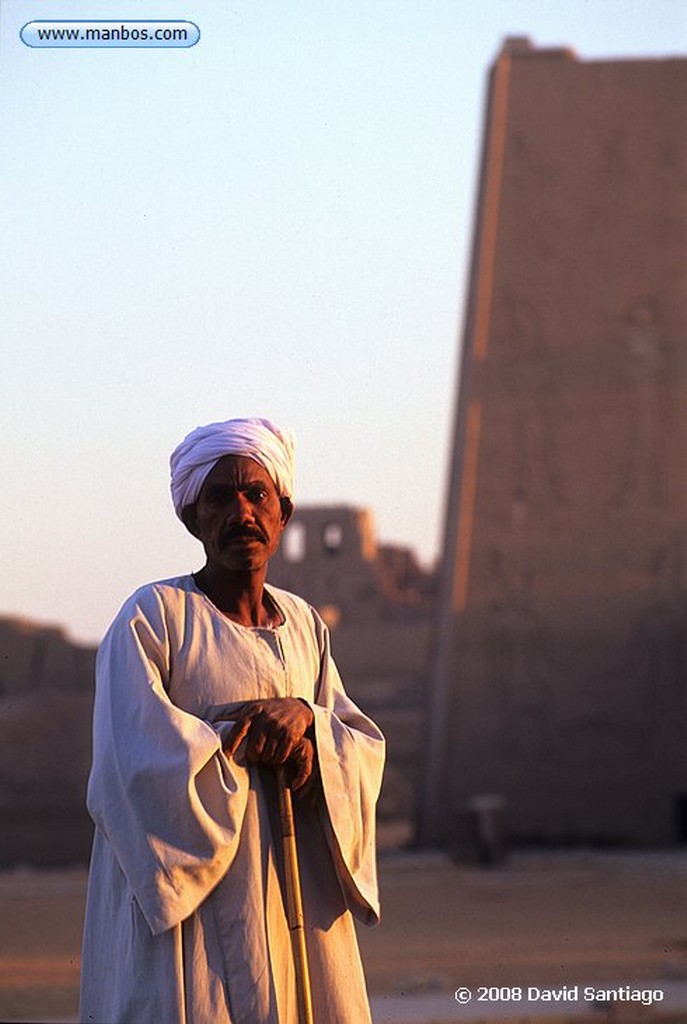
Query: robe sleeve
[
  {"x": 169, "y": 802},
  {"x": 350, "y": 752}
]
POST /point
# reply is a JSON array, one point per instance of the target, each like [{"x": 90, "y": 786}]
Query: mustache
[{"x": 235, "y": 532}]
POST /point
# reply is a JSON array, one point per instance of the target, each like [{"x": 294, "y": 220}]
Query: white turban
[{"x": 253, "y": 438}]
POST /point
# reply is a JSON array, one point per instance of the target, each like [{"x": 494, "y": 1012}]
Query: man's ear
[
  {"x": 286, "y": 510},
  {"x": 190, "y": 519}
]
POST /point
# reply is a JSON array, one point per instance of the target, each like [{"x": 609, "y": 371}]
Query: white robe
[{"x": 185, "y": 919}]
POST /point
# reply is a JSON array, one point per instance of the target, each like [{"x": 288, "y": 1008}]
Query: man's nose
[{"x": 238, "y": 509}]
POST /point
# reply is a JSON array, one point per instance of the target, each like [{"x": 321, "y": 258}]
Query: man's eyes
[{"x": 220, "y": 496}]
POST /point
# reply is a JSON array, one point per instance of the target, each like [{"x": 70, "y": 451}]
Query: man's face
[{"x": 238, "y": 516}]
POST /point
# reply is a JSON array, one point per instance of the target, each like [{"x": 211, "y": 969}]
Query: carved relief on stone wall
[
  {"x": 644, "y": 357},
  {"x": 612, "y": 181},
  {"x": 670, "y": 220},
  {"x": 519, "y": 665},
  {"x": 525, "y": 384},
  {"x": 559, "y": 446}
]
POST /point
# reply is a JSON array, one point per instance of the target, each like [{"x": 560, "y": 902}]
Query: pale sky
[{"x": 274, "y": 222}]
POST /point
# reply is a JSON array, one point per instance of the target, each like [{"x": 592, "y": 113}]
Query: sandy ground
[{"x": 544, "y": 920}]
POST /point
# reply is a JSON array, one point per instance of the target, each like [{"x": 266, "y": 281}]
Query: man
[{"x": 204, "y": 684}]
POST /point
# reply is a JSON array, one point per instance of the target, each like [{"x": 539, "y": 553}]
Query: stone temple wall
[
  {"x": 46, "y": 699},
  {"x": 559, "y": 672}
]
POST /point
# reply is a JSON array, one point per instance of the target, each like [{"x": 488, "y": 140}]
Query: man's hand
[{"x": 276, "y": 731}]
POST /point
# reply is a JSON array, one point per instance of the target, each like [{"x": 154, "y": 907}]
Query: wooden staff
[{"x": 294, "y": 901}]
